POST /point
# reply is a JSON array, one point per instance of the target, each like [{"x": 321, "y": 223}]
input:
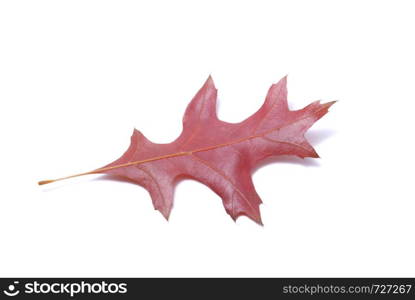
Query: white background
[{"x": 77, "y": 76}]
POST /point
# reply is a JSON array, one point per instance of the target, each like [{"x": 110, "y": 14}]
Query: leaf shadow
[
  {"x": 317, "y": 136},
  {"x": 118, "y": 178},
  {"x": 68, "y": 183}
]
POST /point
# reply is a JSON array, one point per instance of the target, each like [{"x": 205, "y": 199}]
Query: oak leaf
[{"x": 218, "y": 154}]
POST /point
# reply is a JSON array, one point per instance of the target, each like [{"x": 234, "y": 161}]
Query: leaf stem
[{"x": 42, "y": 182}]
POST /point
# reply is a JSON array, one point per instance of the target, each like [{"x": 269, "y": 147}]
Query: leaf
[{"x": 218, "y": 154}]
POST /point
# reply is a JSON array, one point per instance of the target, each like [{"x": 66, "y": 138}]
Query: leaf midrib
[{"x": 203, "y": 149}]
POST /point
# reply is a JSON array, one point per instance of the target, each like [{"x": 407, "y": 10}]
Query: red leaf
[{"x": 218, "y": 154}]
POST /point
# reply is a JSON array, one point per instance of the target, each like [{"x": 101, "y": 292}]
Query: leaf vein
[{"x": 224, "y": 176}]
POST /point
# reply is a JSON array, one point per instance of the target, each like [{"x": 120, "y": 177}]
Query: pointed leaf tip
[
  {"x": 282, "y": 81},
  {"x": 328, "y": 104},
  {"x": 164, "y": 212},
  {"x": 209, "y": 82},
  {"x": 256, "y": 218}
]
